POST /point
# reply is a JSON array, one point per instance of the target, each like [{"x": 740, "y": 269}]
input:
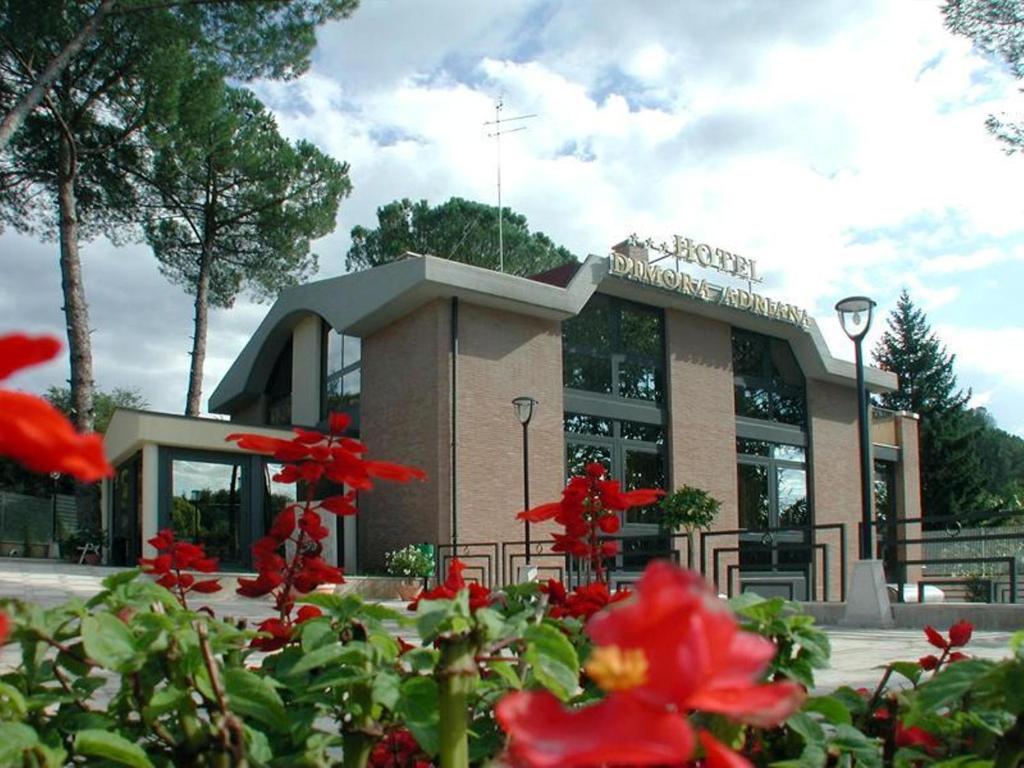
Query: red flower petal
[
  {"x": 935, "y": 637},
  {"x": 206, "y": 586},
  {"x": 541, "y": 513},
  {"x": 338, "y": 422},
  {"x": 399, "y": 473},
  {"x": 717, "y": 755},
  {"x": 307, "y": 612},
  {"x": 262, "y": 585},
  {"x": 19, "y": 351},
  {"x": 308, "y": 436},
  {"x": 960, "y": 633},
  {"x": 616, "y": 731},
  {"x": 5, "y": 627},
  {"x": 40, "y": 438},
  {"x": 928, "y": 662},
  {"x": 760, "y": 705},
  {"x": 163, "y": 540},
  {"x": 339, "y": 505}
]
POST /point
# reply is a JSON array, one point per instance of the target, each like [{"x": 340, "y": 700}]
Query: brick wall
[
  {"x": 702, "y": 433},
  {"x": 404, "y": 413},
  {"x": 835, "y": 458},
  {"x": 502, "y": 356}
]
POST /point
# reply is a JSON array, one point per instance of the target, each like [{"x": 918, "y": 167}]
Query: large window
[
  {"x": 615, "y": 348},
  {"x": 342, "y": 372},
  {"x": 768, "y": 382},
  {"x": 207, "y": 503},
  {"x": 279, "y": 389},
  {"x": 772, "y": 488}
]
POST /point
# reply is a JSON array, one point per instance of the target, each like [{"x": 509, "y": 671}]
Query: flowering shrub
[
  {"x": 409, "y": 561},
  {"x": 535, "y": 675}
]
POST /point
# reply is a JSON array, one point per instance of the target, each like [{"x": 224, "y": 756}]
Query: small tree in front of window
[{"x": 689, "y": 509}]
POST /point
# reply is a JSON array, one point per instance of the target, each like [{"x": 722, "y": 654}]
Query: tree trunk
[
  {"x": 195, "y": 376},
  {"x": 76, "y": 314},
  {"x": 14, "y": 119}
]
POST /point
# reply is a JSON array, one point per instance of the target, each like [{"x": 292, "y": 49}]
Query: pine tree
[{"x": 951, "y": 478}]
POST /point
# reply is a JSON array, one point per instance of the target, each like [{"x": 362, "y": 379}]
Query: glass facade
[
  {"x": 126, "y": 513},
  {"x": 772, "y": 488},
  {"x": 342, "y": 372},
  {"x": 279, "y": 389},
  {"x": 767, "y": 380},
  {"x": 615, "y": 348}
]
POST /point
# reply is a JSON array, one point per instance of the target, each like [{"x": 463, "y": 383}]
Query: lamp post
[
  {"x": 524, "y": 412},
  {"x": 855, "y": 317}
]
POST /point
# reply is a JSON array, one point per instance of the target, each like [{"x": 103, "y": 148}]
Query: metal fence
[
  {"x": 33, "y": 519},
  {"x": 974, "y": 558}
]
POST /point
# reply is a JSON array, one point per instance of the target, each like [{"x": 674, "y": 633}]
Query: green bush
[{"x": 410, "y": 562}]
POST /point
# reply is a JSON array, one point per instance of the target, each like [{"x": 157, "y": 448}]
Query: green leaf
[
  {"x": 808, "y": 728},
  {"x": 908, "y": 669},
  {"x": 108, "y": 641},
  {"x": 163, "y": 701},
  {"x": 507, "y": 672},
  {"x": 866, "y": 751},
  {"x": 437, "y": 617},
  {"x": 257, "y": 745},
  {"x": 552, "y": 659},
  {"x": 947, "y": 686},
  {"x": 834, "y": 710},
  {"x": 15, "y": 738},
  {"x": 813, "y": 756},
  {"x": 253, "y": 696},
  {"x": 965, "y": 761},
  {"x": 115, "y": 580},
  {"x": 418, "y": 707},
  {"x": 327, "y": 655},
  {"x": 111, "y": 746},
  {"x": 850, "y": 699},
  {"x": 386, "y": 689},
  {"x": 421, "y": 659},
  {"x": 12, "y": 703},
  {"x": 317, "y": 633}
]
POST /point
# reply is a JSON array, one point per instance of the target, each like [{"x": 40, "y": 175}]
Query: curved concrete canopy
[{"x": 362, "y": 302}]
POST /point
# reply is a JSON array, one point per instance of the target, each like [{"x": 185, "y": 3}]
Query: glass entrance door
[
  {"x": 772, "y": 486},
  {"x": 207, "y": 499}
]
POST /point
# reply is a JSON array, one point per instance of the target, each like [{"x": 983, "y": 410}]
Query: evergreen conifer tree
[{"x": 951, "y": 477}]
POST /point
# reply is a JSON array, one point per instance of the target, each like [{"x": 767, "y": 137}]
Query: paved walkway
[{"x": 857, "y": 654}]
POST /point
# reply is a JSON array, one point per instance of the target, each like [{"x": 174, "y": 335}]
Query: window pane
[
  {"x": 578, "y": 455},
  {"x": 788, "y": 452},
  {"x": 276, "y": 496},
  {"x": 792, "y": 492},
  {"x": 753, "y": 496},
  {"x": 750, "y": 447},
  {"x": 753, "y": 401},
  {"x": 643, "y": 470},
  {"x": 206, "y": 506},
  {"x": 334, "y": 352},
  {"x": 591, "y": 374},
  {"x": 353, "y": 349},
  {"x": 591, "y": 328},
  {"x": 637, "y": 430},
  {"x": 747, "y": 354},
  {"x": 640, "y": 332},
  {"x": 587, "y": 425},
  {"x": 640, "y": 381},
  {"x": 351, "y": 384}
]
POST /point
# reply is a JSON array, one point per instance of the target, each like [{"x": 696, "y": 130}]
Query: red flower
[
  {"x": 586, "y": 600},
  {"x": 928, "y": 662},
  {"x": 917, "y": 738},
  {"x": 960, "y": 633},
  {"x": 673, "y": 649},
  {"x": 5, "y": 627},
  {"x": 173, "y": 559},
  {"x": 19, "y": 351},
  {"x": 957, "y": 656},
  {"x": 935, "y": 637},
  {"x": 280, "y": 634},
  {"x": 717, "y": 755},
  {"x": 590, "y": 506},
  {"x": 398, "y": 749},
  {"x": 479, "y": 596},
  {"x": 307, "y": 612}
]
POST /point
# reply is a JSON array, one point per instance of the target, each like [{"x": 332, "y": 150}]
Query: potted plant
[
  {"x": 413, "y": 565},
  {"x": 689, "y": 509}
]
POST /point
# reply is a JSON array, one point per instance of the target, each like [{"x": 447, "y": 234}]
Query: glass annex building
[{"x": 656, "y": 372}]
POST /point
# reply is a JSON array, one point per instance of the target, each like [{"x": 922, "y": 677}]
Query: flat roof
[{"x": 362, "y": 302}]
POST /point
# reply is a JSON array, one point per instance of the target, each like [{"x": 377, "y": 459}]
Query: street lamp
[
  {"x": 524, "y": 412},
  {"x": 855, "y": 317}
]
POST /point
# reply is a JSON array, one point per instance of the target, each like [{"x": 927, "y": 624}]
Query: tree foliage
[
  {"x": 951, "y": 478},
  {"x": 997, "y": 28},
  {"x": 234, "y": 204},
  {"x": 460, "y": 230}
]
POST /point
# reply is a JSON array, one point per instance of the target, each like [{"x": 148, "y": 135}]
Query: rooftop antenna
[{"x": 497, "y": 133}]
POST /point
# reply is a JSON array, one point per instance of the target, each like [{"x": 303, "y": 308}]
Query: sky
[{"x": 841, "y": 144}]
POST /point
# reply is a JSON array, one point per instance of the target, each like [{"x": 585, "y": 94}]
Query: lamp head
[
  {"x": 855, "y": 316},
  {"x": 524, "y": 408}
]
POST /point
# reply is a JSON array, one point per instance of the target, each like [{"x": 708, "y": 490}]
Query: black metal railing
[
  {"x": 823, "y": 545},
  {"x": 974, "y": 557}
]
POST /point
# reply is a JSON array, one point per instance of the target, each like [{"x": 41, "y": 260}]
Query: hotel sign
[{"x": 627, "y": 266}]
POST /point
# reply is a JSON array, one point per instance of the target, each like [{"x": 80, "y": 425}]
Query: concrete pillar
[
  {"x": 307, "y": 343},
  {"x": 149, "y": 494}
]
